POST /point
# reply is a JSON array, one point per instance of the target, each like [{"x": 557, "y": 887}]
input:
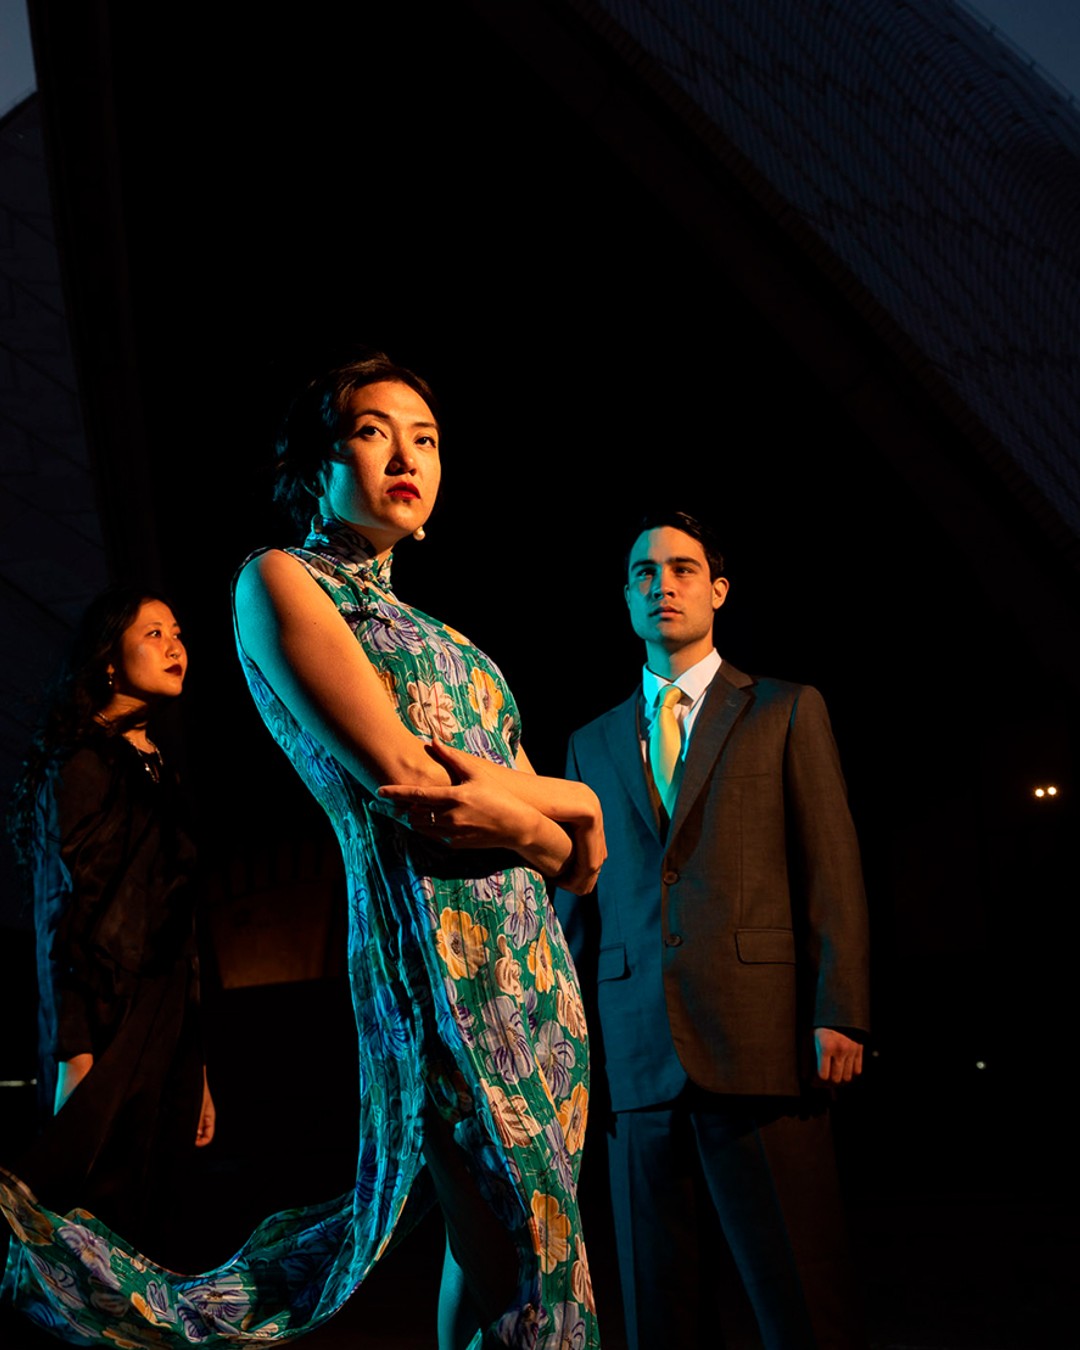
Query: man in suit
[{"x": 726, "y": 948}]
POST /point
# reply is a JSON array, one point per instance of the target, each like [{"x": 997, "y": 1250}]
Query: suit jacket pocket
[
  {"x": 611, "y": 963},
  {"x": 764, "y": 945}
]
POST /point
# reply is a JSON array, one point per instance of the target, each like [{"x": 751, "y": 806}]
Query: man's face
[{"x": 669, "y": 593}]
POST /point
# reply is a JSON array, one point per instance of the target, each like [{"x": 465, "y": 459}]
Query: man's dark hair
[
  {"x": 312, "y": 425},
  {"x": 679, "y": 520}
]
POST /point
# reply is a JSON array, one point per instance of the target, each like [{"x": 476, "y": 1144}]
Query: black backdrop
[{"x": 394, "y": 175}]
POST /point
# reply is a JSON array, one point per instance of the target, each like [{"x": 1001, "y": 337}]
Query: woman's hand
[
  {"x": 466, "y": 815},
  {"x": 582, "y": 869},
  {"x": 491, "y": 806},
  {"x": 477, "y": 811},
  {"x": 207, "y": 1116},
  {"x": 69, "y": 1074}
]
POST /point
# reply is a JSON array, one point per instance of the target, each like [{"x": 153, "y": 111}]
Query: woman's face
[
  {"x": 151, "y": 661},
  {"x": 383, "y": 476}
]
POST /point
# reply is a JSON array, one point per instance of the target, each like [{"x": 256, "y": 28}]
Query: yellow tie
[{"x": 665, "y": 743}]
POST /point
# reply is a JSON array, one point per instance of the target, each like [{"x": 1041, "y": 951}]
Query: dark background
[{"x": 239, "y": 193}]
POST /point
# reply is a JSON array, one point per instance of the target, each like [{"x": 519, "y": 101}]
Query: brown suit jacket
[{"x": 714, "y": 949}]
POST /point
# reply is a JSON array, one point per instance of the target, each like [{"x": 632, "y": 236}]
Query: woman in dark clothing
[{"x": 99, "y": 826}]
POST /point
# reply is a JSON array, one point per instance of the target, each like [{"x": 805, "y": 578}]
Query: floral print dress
[{"x": 466, "y": 1003}]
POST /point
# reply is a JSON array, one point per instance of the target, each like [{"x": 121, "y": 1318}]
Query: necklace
[
  {"x": 149, "y": 757},
  {"x": 151, "y": 761}
]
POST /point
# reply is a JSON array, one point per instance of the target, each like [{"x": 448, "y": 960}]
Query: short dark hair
[
  {"x": 679, "y": 520},
  {"x": 312, "y": 425}
]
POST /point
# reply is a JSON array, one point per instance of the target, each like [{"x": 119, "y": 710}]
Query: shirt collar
[{"x": 692, "y": 682}]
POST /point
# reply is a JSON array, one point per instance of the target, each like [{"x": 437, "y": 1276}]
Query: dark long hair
[
  {"x": 312, "y": 426},
  {"x": 79, "y": 692}
]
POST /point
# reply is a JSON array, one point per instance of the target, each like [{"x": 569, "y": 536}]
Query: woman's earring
[{"x": 419, "y": 533}]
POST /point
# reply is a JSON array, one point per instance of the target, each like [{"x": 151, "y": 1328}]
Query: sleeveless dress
[{"x": 466, "y": 1003}]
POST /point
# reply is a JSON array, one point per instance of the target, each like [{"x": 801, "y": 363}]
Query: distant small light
[
  {"x": 1051, "y": 791},
  {"x": 980, "y": 1063},
  {"x": 1040, "y": 792}
]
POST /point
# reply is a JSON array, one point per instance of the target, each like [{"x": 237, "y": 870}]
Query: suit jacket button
[
  {"x": 670, "y": 877},
  {"x": 673, "y": 940}
]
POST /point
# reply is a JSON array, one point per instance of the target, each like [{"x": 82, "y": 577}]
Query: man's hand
[{"x": 839, "y": 1058}]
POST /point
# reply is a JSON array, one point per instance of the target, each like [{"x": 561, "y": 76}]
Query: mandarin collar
[{"x": 349, "y": 549}]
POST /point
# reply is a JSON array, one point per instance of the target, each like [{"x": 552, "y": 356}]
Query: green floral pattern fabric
[{"x": 465, "y": 997}]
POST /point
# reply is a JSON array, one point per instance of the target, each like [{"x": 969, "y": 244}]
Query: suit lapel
[
  {"x": 624, "y": 746},
  {"x": 725, "y": 700}
]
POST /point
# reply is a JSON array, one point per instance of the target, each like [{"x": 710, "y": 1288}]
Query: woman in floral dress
[
  {"x": 472, "y": 1040},
  {"x": 472, "y": 1044}
]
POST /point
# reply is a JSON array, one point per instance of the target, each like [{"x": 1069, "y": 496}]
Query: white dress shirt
[{"x": 693, "y": 683}]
